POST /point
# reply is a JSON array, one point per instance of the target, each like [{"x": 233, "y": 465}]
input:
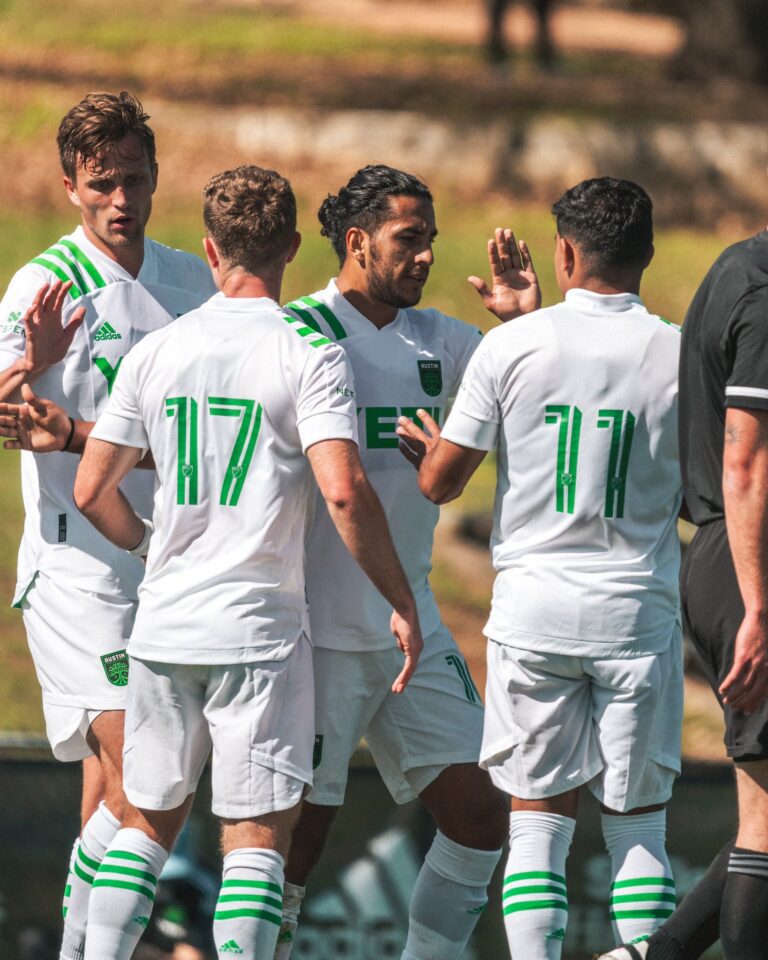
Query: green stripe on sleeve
[
  {"x": 74, "y": 290},
  {"x": 81, "y": 258},
  {"x": 70, "y": 264},
  {"x": 304, "y": 315},
  {"x": 329, "y": 316}
]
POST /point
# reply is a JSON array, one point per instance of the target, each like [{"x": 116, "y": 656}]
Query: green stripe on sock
[
  {"x": 544, "y": 888},
  {"x": 93, "y": 864},
  {"x": 660, "y": 914},
  {"x": 82, "y": 874},
  {"x": 258, "y": 914},
  {"x": 328, "y": 315},
  {"x": 125, "y": 855},
  {"x": 644, "y": 882},
  {"x": 536, "y": 905},
  {"x": 257, "y": 884},
  {"x": 78, "y": 254},
  {"x": 645, "y": 897},
  {"x": 534, "y": 875},
  {"x": 251, "y": 898},
  {"x": 124, "y": 885},
  {"x": 129, "y": 872},
  {"x": 64, "y": 911},
  {"x": 74, "y": 292}
]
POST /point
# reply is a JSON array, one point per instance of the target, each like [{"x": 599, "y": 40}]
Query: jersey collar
[
  {"x": 353, "y": 320},
  {"x": 147, "y": 273},
  {"x": 587, "y": 301}
]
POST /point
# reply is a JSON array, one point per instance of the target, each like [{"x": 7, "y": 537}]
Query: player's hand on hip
[
  {"x": 415, "y": 442},
  {"x": 47, "y": 340},
  {"x": 746, "y": 686},
  {"x": 36, "y": 424},
  {"x": 407, "y": 632},
  {"x": 514, "y": 285}
]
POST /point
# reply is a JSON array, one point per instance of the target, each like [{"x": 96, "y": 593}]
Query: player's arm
[
  {"x": 47, "y": 340},
  {"x": 444, "y": 467},
  {"x": 98, "y": 496},
  {"x": 359, "y": 518},
  {"x": 745, "y": 492},
  {"x": 514, "y": 286}
]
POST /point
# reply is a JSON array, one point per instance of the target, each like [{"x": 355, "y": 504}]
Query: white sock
[
  {"x": 250, "y": 905},
  {"x": 293, "y": 895},
  {"x": 449, "y": 896},
  {"x": 534, "y": 898},
  {"x": 123, "y": 895},
  {"x": 642, "y": 888},
  {"x": 87, "y": 854}
]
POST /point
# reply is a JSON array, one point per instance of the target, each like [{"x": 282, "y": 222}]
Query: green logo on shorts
[
  {"x": 317, "y": 753},
  {"x": 431, "y": 376},
  {"x": 116, "y": 667}
]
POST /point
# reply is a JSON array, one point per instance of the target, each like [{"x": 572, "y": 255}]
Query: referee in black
[{"x": 723, "y": 408}]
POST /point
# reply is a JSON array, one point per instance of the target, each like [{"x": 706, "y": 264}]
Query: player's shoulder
[{"x": 180, "y": 263}]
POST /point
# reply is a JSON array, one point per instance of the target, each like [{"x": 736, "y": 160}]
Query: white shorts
[
  {"x": 77, "y": 640},
  {"x": 555, "y": 722},
  {"x": 437, "y": 721},
  {"x": 257, "y": 717}
]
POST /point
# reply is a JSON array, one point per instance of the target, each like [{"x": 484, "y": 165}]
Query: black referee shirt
[{"x": 723, "y": 362}]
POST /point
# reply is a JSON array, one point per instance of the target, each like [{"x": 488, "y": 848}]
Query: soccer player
[
  {"x": 579, "y": 401},
  {"x": 77, "y": 592},
  {"x": 236, "y": 401},
  {"x": 425, "y": 742},
  {"x": 724, "y": 455}
]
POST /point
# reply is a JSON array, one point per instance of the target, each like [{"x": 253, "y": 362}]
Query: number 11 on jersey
[{"x": 568, "y": 420}]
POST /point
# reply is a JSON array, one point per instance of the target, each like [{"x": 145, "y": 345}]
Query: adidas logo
[
  {"x": 107, "y": 332},
  {"x": 231, "y": 946},
  {"x": 556, "y": 934},
  {"x": 142, "y": 921},
  {"x": 285, "y": 936},
  {"x": 476, "y": 911}
]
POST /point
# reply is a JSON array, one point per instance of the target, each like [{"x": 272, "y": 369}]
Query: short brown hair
[
  {"x": 250, "y": 214},
  {"x": 96, "y": 124}
]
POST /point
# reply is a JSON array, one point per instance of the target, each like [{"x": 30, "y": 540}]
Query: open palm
[{"x": 514, "y": 285}]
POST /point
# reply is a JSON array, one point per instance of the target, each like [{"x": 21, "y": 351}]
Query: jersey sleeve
[
  {"x": 474, "y": 420},
  {"x": 325, "y": 408},
  {"x": 747, "y": 344},
  {"x": 121, "y": 421}
]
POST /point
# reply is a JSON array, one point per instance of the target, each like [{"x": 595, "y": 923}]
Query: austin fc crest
[
  {"x": 116, "y": 667},
  {"x": 431, "y": 376}
]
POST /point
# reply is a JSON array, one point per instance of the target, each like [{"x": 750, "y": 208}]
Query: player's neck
[
  {"x": 130, "y": 257},
  {"x": 380, "y": 314},
  {"x": 604, "y": 287},
  {"x": 239, "y": 284}
]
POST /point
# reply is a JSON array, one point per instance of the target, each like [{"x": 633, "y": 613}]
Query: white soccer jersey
[
  {"x": 228, "y": 398},
  {"x": 415, "y": 361},
  {"x": 119, "y": 312},
  {"x": 581, "y": 401}
]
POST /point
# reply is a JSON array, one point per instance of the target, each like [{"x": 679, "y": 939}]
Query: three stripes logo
[
  {"x": 107, "y": 332},
  {"x": 231, "y": 946},
  {"x": 67, "y": 261}
]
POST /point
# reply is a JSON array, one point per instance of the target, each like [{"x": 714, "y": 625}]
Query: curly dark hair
[
  {"x": 96, "y": 124},
  {"x": 611, "y": 221},
  {"x": 365, "y": 202},
  {"x": 251, "y": 215}
]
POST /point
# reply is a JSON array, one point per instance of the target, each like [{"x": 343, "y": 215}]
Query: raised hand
[
  {"x": 47, "y": 340},
  {"x": 36, "y": 424},
  {"x": 514, "y": 285},
  {"x": 416, "y": 443}
]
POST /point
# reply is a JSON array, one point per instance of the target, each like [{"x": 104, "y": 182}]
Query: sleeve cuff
[
  {"x": 121, "y": 430},
  {"x": 467, "y": 431},
  {"x": 327, "y": 426},
  {"x": 750, "y": 398}
]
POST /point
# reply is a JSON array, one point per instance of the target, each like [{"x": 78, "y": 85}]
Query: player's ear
[
  {"x": 69, "y": 186},
  {"x": 649, "y": 256},
  {"x": 356, "y": 245},
  {"x": 211, "y": 252},
  {"x": 154, "y": 177},
  {"x": 294, "y": 248}
]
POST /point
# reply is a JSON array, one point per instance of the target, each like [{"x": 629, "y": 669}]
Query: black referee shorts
[{"x": 712, "y": 614}]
